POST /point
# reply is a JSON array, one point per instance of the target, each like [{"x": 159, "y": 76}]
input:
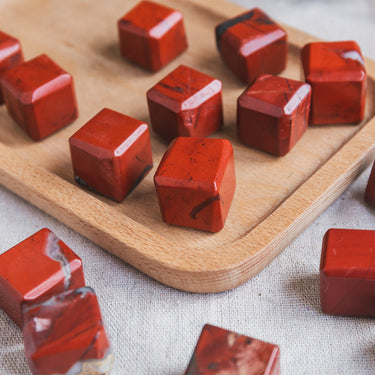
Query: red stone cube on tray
[
  {"x": 347, "y": 272},
  {"x": 195, "y": 183},
  {"x": 65, "y": 335},
  {"x": 219, "y": 351},
  {"x": 251, "y": 44},
  {"x": 10, "y": 55},
  {"x": 337, "y": 75},
  {"x": 151, "y": 35},
  {"x": 40, "y": 97},
  {"x": 273, "y": 113},
  {"x": 111, "y": 153},
  {"x": 186, "y": 103},
  {"x": 36, "y": 269}
]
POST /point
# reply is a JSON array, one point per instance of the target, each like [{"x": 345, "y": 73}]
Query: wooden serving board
[{"x": 276, "y": 198}]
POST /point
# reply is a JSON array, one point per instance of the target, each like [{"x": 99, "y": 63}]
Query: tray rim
[{"x": 151, "y": 253}]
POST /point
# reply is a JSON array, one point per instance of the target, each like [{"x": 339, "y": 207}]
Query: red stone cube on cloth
[
  {"x": 10, "y": 55},
  {"x": 186, "y": 103},
  {"x": 273, "y": 113},
  {"x": 337, "y": 75},
  {"x": 151, "y": 35},
  {"x": 219, "y": 351},
  {"x": 111, "y": 153},
  {"x": 251, "y": 44},
  {"x": 65, "y": 335},
  {"x": 36, "y": 269},
  {"x": 347, "y": 272},
  {"x": 40, "y": 97},
  {"x": 370, "y": 189},
  {"x": 195, "y": 183}
]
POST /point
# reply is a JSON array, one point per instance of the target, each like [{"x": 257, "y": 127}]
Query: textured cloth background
[{"x": 153, "y": 328}]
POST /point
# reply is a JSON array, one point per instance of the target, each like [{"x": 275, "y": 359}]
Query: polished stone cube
[
  {"x": 252, "y": 44},
  {"x": 111, "y": 154},
  {"x": 337, "y": 75},
  {"x": 10, "y": 55},
  {"x": 65, "y": 335},
  {"x": 273, "y": 114},
  {"x": 219, "y": 351},
  {"x": 347, "y": 272},
  {"x": 195, "y": 183},
  {"x": 36, "y": 269},
  {"x": 152, "y": 35},
  {"x": 186, "y": 103},
  {"x": 40, "y": 97}
]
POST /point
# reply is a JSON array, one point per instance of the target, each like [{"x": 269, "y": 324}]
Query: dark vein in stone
[
  {"x": 223, "y": 27},
  {"x": 194, "y": 212},
  {"x": 173, "y": 88}
]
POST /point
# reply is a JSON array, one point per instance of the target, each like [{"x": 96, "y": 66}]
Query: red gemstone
[
  {"x": 10, "y": 55},
  {"x": 347, "y": 272},
  {"x": 36, "y": 269},
  {"x": 337, "y": 75},
  {"x": 195, "y": 183},
  {"x": 273, "y": 113},
  {"x": 219, "y": 351},
  {"x": 370, "y": 189},
  {"x": 111, "y": 153},
  {"x": 151, "y": 35},
  {"x": 252, "y": 44},
  {"x": 185, "y": 103},
  {"x": 65, "y": 335},
  {"x": 40, "y": 97}
]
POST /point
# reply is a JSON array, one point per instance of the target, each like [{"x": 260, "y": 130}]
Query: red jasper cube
[
  {"x": 347, "y": 272},
  {"x": 251, "y": 44},
  {"x": 152, "y": 35},
  {"x": 186, "y": 103},
  {"x": 34, "y": 270},
  {"x": 111, "y": 154},
  {"x": 273, "y": 113},
  {"x": 195, "y": 183},
  {"x": 370, "y": 189},
  {"x": 219, "y": 351},
  {"x": 65, "y": 335},
  {"x": 337, "y": 75},
  {"x": 40, "y": 97},
  {"x": 10, "y": 55}
]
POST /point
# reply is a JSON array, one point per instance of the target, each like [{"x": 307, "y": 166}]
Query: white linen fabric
[{"x": 153, "y": 328}]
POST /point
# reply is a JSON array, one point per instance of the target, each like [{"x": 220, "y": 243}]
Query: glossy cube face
[
  {"x": 347, "y": 272},
  {"x": 195, "y": 183},
  {"x": 186, "y": 103},
  {"x": 151, "y": 35},
  {"x": 111, "y": 153},
  {"x": 251, "y": 44},
  {"x": 34, "y": 270},
  {"x": 65, "y": 335},
  {"x": 273, "y": 113},
  {"x": 10, "y": 55},
  {"x": 219, "y": 351},
  {"x": 40, "y": 97},
  {"x": 337, "y": 75}
]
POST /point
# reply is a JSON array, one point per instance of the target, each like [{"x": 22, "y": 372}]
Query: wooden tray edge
[{"x": 155, "y": 256}]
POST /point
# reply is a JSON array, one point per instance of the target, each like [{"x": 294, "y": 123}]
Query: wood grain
[{"x": 276, "y": 198}]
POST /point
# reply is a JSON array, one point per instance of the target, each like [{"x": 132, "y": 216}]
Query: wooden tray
[{"x": 276, "y": 198}]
